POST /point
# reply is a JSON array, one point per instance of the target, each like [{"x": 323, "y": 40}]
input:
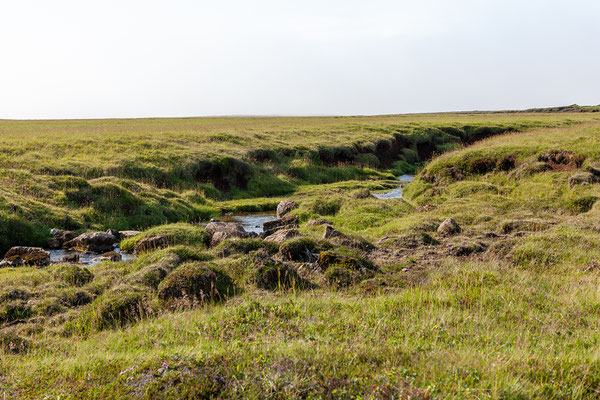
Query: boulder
[
  {"x": 285, "y": 207},
  {"x": 232, "y": 229},
  {"x": 151, "y": 243},
  {"x": 282, "y": 235},
  {"x": 98, "y": 242},
  {"x": 60, "y": 237},
  {"x": 115, "y": 233},
  {"x": 287, "y": 222},
  {"x": 23, "y": 255},
  {"x": 331, "y": 232},
  {"x": 218, "y": 237},
  {"x": 449, "y": 227},
  {"x": 109, "y": 256},
  {"x": 127, "y": 234}
]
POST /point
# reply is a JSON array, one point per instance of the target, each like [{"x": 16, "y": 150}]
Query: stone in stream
[
  {"x": 109, "y": 256},
  {"x": 151, "y": 243},
  {"x": 287, "y": 222},
  {"x": 282, "y": 235},
  {"x": 98, "y": 242},
  {"x": 219, "y": 231},
  {"x": 71, "y": 258},
  {"x": 285, "y": 207},
  {"x": 24, "y": 255},
  {"x": 449, "y": 227},
  {"x": 60, "y": 237}
]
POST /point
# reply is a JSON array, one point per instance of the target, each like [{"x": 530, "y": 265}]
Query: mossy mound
[
  {"x": 15, "y": 311},
  {"x": 74, "y": 275},
  {"x": 195, "y": 283},
  {"x": 244, "y": 246},
  {"x": 177, "y": 234},
  {"x": 117, "y": 308},
  {"x": 273, "y": 276},
  {"x": 301, "y": 249},
  {"x": 342, "y": 276}
]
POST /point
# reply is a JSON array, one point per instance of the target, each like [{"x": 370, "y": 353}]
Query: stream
[
  {"x": 252, "y": 222},
  {"x": 397, "y": 192},
  {"x": 85, "y": 257}
]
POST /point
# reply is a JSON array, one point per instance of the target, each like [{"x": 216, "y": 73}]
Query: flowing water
[
  {"x": 397, "y": 192},
  {"x": 252, "y": 222},
  {"x": 85, "y": 257}
]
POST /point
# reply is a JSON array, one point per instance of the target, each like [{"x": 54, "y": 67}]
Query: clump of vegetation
[
  {"x": 195, "y": 283},
  {"x": 74, "y": 275},
  {"x": 116, "y": 308},
  {"x": 299, "y": 249},
  {"x": 341, "y": 276},
  {"x": 243, "y": 246},
  {"x": 178, "y": 234},
  {"x": 271, "y": 275}
]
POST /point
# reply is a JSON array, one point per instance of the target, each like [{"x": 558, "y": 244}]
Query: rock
[
  {"x": 219, "y": 237},
  {"x": 128, "y": 234},
  {"x": 331, "y": 232},
  {"x": 316, "y": 222},
  {"x": 115, "y": 233},
  {"x": 449, "y": 227},
  {"x": 60, "y": 237},
  {"x": 287, "y": 222},
  {"x": 98, "y": 242},
  {"x": 582, "y": 178},
  {"x": 109, "y": 256},
  {"x": 71, "y": 258},
  {"x": 228, "y": 229},
  {"x": 282, "y": 235},
  {"x": 23, "y": 255},
  {"x": 151, "y": 243},
  {"x": 285, "y": 207}
]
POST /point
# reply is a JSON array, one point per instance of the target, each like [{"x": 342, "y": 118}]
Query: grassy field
[
  {"x": 506, "y": 309},
  {"x": 130, "y": 174}
]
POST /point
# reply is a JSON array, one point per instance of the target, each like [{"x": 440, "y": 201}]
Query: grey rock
[
  {"x": 98, "y": 242},
  {"x": 449, "y": 227},
  {"x": 285, "y": 207},
  {"x": 282, "y": 235}
]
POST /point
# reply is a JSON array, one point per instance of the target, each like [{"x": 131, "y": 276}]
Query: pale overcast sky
[{"x": 130, "y": 58}]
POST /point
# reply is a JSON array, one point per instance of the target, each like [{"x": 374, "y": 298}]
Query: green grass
[
  {"x": 137, "y": 173},
  {"x": 507, "y": 309}
]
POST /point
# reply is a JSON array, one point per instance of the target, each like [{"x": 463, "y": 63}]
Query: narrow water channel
[{"x": 397, "y": 192}]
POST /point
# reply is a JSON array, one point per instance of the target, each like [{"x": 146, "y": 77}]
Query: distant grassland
[{"x": 135, "y": 173}]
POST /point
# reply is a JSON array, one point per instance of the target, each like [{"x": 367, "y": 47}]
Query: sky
[{"x": 150, "y": 58}]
